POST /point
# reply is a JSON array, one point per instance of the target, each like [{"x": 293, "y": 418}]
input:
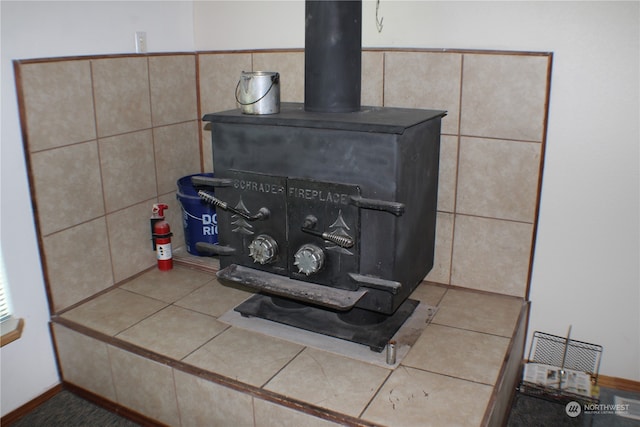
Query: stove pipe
[{"x": 333, "y": 56}]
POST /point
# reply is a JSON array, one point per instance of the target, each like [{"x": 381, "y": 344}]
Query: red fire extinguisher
[{"x": 161, "y": 237}]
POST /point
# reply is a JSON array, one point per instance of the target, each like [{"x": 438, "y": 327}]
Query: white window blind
[{"x": 4, "y": 292}]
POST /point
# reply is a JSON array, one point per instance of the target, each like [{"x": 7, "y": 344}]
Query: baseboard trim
[
  {"x": 23, "y": 410},
  {"x": 619, "y": 383}
]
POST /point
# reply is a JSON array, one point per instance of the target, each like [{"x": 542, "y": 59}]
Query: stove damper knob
[
  {"x": 309, "y": 259},
  {"x": 263, "y": 249}
]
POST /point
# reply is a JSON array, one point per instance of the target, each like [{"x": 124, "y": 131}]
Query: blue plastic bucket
[{"x": 198, "y": 218}]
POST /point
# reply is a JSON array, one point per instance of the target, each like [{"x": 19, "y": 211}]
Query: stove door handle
[
  {"x": 263, "y": 213},
  {"x": 207, "y": 181},
  {"x": 342, "y": 241},
  {"x": 395, "y": 208}
]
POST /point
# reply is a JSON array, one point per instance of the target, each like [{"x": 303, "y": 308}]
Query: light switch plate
[{"x": 141, "y": 41}]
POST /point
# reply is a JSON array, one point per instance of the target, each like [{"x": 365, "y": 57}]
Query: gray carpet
[
  {"x": 530, "y": 411},
  {"x": 66, "y": 409}
]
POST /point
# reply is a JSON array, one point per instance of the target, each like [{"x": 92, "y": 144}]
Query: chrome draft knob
[
  {"x": 309, "y": 259},
  {"x": 263, "y": 249}
]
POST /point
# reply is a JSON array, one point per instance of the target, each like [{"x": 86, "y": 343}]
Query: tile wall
[{"x": 107, "y": 137}]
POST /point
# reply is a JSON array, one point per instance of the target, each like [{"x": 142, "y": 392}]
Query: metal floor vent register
[{"x": 562, "y": 369}]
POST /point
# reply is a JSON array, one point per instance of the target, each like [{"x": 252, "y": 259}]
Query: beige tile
[
  {"x": 441, "y": 270},
  {"x": 130, "y": 240},
  {"x": 489, "y": 313},
  {"x": 329, "y": 381},
  {"x": 269, "y": 414},
  {"x": 428, "y": 293},
  {"x": 219, "y": 74},
  {"x": 447, "y": 173},
  {"x": 233, "y": 354},
  {"x": 67, "y": 185},
  {"x": 207, "y": 150},
  {"x": 214, "y": 298},
  {"x": 128, "y": 169},
  {"x": 372, "y": 78},
  {"x": 498, "y": 179},
  {"x": 290, "y": 66},
  {"x": 425, "y": 80},
  {"x": 145, "y": 386},
  {"x": 84, "y": 362},
  {"x": 503, "y": 96},
  {"x": 177, "y": 153},
  {"x": 78, "y": 263},
  {"x": 54, "y": 92},
  {"x": 114, "y": 311},
  {"x": 168, "y": 286},
  {"x": 173, "y": 332},
  {"x": 172, "y": 81},
  {"x": 204, "y": 403},
  {"x": 458, "y": 353},
  {"x": 121, "y": 90},
  {"x": 491, "y": 255},
  {"x": 411, "y": 397}
]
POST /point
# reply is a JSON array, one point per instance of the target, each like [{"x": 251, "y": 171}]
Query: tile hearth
[{"x": 156, "y": 344}]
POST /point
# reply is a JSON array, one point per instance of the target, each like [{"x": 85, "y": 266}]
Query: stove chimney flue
[{"x": 333, "y": 56}]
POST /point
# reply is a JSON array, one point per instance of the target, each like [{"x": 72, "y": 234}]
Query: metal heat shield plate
[{"x": 344, "y": 325}]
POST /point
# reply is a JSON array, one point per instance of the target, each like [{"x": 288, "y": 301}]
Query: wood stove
[{"x": 327, "y": 208}]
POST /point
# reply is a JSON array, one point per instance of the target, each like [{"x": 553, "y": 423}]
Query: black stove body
[
  {"x": 328, "y": 209},
  {"x": 332, "y": 213}
]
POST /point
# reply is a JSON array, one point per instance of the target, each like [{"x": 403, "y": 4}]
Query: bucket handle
[
  {"x": 274, "y": 80},
  {"x": 190, "y": 215}
]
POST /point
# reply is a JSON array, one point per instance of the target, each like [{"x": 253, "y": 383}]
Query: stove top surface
[{"x": 368, "y": 119}]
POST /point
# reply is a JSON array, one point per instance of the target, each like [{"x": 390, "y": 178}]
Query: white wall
[
  {"x": 586, "y": 262},
  {"x": 50, "y": 29},
  {"x": 586, "y": 267},
  {"x": 248, "y": 24}
]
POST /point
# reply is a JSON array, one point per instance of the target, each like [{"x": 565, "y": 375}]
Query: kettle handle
[{"x": 274, "y": 79}]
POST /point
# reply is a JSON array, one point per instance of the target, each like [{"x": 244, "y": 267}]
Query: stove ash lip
[{"x": 333, "y": 56}]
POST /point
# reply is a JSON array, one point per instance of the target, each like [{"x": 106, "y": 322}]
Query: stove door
[
  {"x": 260, "y": 243},
  {"x": 324, "y": 231}
]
